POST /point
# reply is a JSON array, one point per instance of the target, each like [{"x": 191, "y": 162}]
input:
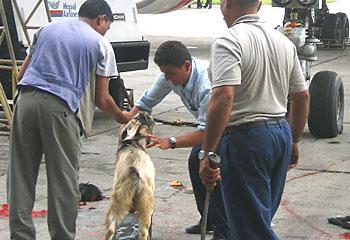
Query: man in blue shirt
[
  {"x": 188, "y": 78},
  {"x": 66, "y": 72}
]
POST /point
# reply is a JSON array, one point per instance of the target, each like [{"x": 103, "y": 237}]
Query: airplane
[{"x": 162, "y": 6}]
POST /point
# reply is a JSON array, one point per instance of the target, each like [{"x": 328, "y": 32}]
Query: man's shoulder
[
  {"x": 200, "y": 63},
  {"x": 201, "y": 67}
]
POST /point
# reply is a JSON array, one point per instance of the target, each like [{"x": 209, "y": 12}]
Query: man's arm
[
  {"x": 23, "y": 68},
  {"x": 105, "y": 101},
  {"x": 187, "y": 140},
  {"x": 30, "y": 52},
  {"x": 134, "y": 111},
  {"x": 299, "y": 110},
  {"x": 219, "y": 111}
]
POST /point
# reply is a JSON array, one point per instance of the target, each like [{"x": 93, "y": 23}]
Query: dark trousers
[
  {"x": 216, "y": 214},
  {"x": 208, "y": 4},
  {"x": 254, "y": 167}
]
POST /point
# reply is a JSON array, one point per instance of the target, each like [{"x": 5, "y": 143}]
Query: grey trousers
[{"x": 43, "y": 125}]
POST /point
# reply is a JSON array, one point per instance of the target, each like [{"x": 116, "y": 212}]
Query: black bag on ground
[{"x": 89, "y": 192}]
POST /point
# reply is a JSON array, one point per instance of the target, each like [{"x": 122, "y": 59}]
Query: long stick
[
  {"x": 205, "y": 216},
  {"x": 204, "y": 222}
]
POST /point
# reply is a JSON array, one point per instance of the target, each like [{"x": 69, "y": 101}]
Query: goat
[{"x": 133, "y": 184}]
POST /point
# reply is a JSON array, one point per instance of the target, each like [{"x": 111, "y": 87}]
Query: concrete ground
[{"x": 317, "y": 189}]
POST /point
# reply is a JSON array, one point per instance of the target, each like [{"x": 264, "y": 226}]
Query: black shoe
[
  {"x": 196, "y": 229},
  {"x": 217, "y": 238}
]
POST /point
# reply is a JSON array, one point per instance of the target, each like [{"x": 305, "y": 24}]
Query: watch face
[
  {"x": 202, "y": 154},
  {"x": 173, "y": 142}
]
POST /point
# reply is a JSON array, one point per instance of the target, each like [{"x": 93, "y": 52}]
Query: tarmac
[{"x": 316, "y": 190}]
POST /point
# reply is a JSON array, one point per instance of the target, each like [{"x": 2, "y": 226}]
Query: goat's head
[{"x": 138, "y": 128}]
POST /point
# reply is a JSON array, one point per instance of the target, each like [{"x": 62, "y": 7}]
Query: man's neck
[
  {"x": 89, "y": 21},
  {"x": 244, "y": 12},
  {"x": 188, "y": 78}
]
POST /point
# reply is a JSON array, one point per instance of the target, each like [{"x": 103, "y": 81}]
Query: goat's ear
[
  {"x": 124, "y": 133},
  {"x": 145, "y": 130},
  {"x": 130, "y": 130}
]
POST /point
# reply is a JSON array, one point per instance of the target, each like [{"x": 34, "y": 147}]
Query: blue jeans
[
  {"x": 216, "y": 214},
  {"x": 254, "y": 167}
]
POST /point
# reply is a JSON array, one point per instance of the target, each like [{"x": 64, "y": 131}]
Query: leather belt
[{"x": 244, "y": 126}]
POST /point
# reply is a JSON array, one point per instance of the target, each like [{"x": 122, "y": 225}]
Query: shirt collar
[{"x": 246, "y": 19}]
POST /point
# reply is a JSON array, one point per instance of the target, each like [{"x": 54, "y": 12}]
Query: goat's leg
[
  {"x": 110, "y": 224},
  {"x": 117, "y": 211},
  {"x": 145, "y": 211}
]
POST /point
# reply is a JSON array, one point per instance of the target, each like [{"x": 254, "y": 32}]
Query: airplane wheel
[
  {"x": 343, "y": 28},
  {"x": 326, "y": 105},
  {"x": 329, "y": 30}
]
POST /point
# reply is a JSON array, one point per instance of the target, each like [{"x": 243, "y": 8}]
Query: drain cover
[{"x": 128, "y": 229}]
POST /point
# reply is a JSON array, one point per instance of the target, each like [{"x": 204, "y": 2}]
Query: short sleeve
[
  {"x": 225, "y": 63},
  {"x": 32, "y": 47},
  {"x": 297, "y": 81},
  {"x": 106, "y": 65}
]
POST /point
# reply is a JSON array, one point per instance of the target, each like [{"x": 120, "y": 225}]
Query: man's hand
[
  {"x": 208, "y": 175},
  {"x": 295, "y": 156},
  {"x": 127, "y": 115},
  {"x": 162, "y": 143}
]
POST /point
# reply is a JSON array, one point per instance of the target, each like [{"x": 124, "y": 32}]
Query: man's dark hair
[
  {"x": 172, "y": 53},
  {"x": 94, "y": 8},
  {"x": 248, "y": 3}
]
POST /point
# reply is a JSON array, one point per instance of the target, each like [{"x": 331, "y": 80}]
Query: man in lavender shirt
[{"x": 65, "y": 74}]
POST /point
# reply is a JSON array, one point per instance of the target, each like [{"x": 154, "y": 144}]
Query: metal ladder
[{"x": 12, "y": 64}]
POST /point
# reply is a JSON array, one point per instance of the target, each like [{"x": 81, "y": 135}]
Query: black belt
[{"x": 244, "y": 126}]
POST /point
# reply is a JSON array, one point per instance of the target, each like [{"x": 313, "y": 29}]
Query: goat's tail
[
  {"x": 126, "y": 187},
  {"x": 135, "y": 177},
  {"x": 121, "y": 200}
]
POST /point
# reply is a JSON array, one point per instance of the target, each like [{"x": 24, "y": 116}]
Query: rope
[{"x": 176, "y": 122}]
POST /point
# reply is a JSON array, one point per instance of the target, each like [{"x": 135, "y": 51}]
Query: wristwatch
[
  {"x": 172, "y": 141},
  {"x": 214, "y": 159},
  {"x": 203, "y": 154}
]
